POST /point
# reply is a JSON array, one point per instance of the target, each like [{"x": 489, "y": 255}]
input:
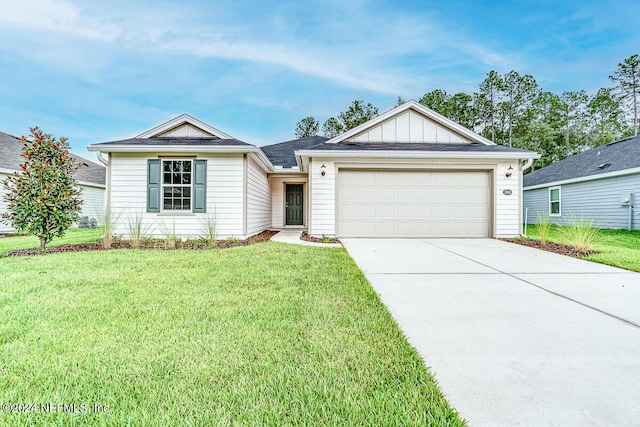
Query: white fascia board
[
  {"x": 182, "y": 119},
  {"x": 415, "y": 154},
  {"x": 7, "y": 171},
  {"x": 171, "y": 148},
  {"x": 438, "y": 118},
  {"x": 221, "y": 149},
  {"x": 584, "y": 179}
]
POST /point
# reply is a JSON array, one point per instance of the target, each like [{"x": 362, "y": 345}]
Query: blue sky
[{"x": 96, "y": 71}]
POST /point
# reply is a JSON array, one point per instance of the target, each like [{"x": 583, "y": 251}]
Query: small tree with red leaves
[{"x": 43, "y": 197}]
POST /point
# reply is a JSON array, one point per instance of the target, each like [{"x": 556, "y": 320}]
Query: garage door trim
[{"x": 490, "y": 169}]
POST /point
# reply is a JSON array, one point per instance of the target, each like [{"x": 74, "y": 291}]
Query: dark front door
[{"x": 293, "y": 206}]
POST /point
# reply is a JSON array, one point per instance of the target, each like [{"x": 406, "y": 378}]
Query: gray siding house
[{"x": 601, "y": 184}]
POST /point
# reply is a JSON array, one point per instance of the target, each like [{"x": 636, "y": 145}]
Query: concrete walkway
[
  {"x": 292, "y": 236},
  {"x": 515, "y": 336}
]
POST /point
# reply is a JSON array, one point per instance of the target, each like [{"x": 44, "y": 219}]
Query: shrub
[
  {"x": 543, "y": 228},
  {"x": 138, "y": 231},
  {"x": 110, "y": 221},
  {"x": 170, "y": 237},
  {"x": 580, "y": 232},
  {"x": 209, "y": 224},
  {"x": 43, "y": 199}
]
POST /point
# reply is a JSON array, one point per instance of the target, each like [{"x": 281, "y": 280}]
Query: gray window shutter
[
  {"x": 200, "y": 186},
  {"x": 153, "y": 185}
]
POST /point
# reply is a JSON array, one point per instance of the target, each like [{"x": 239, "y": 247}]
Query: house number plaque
[{"x": 507, "y": 192}]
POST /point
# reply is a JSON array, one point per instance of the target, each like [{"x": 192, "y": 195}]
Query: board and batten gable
[
  {"x": 410, "y": 126},
  {"x": 185, "y": 130},
  {"x": 224, "y": 201},
  {"x": 258, "y": 199},
  {"x": 599, "y": 200}
]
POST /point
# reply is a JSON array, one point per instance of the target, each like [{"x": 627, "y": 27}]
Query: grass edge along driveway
[{"x": 268, "y": 334}]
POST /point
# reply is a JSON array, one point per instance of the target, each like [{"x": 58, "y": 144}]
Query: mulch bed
[
  {"x": 147, "y": 244},
  {"x": 305, "y": 236},
  {"x": 551, "y": 247}
]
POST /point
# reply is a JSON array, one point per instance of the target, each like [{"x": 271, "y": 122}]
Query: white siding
[
  {"x": 277, "y": 198},
  {"x": 322, "y": 199},
  {"x": 507, "y": 206},
  {"x": 258, "y": 199},
  {"x": 410, "y": 127},
  {"x": 225, "y": 199},
  {"x": 505, "y": 210},
  {"x": 598, "y": 200}
]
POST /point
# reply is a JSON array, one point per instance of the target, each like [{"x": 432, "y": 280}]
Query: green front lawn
[
  {"x": 267, "y": 334},
  {"x": 71, "y": 236},
  {"x": 619, "y": 248}
]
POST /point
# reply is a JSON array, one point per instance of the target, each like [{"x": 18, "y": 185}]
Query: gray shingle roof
[
  {"x": 10, "y": 158},
  {"x": 282, "y": 154},
  {"x": 416, "y": 146},
  {"x": 612, "y": 157},
  {"x": 214, "y": 141}
]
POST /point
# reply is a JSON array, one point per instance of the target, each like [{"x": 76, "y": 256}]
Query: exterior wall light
[
  {"x": 323, "y": 170},
  {"x": 509, "y": 172}
]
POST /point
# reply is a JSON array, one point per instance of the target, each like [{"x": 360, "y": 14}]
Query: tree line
[{"x": 513, "y": 110}]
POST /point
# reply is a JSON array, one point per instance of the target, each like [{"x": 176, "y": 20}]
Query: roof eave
[
  {"x": 142, "y": 148},
  {"x": 419, "y": 154},
  {"x": 624, "y": 172}
]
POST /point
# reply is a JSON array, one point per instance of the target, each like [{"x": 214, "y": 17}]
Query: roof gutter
[
  {"x": 363, "y": 154},
  {"x": 101, "y": 158},
  {"x": 219, "y": 149}
]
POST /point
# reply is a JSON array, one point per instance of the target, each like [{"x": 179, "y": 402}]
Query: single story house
[
  {"x": 410, "y": 172},
  {"x": 600, "y": 184},
  {"x": 90, "y": 177}
]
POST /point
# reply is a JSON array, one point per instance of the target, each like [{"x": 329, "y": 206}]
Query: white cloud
[{"x": 364, "y": 49}]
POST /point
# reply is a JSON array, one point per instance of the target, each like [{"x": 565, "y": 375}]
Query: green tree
[
  {"x": 458, "y": 107},
  {"x": 486, "y": 104},
  {"x": 606, "y": 118},
  {"x": 332, "y": 128},
  {"x": 43, "y": 197},
  {"x": 574, "y": 118},
  {"x": 519, "y": 94},
  {"x": 356, "y": 114},
  {"x": 438, "y": 101},
  {"x": 308, "y": 126},
  {"x": 628, "y": 78}
]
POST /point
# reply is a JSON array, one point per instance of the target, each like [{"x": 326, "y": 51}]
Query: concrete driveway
[{"x": 514, "y": 335}]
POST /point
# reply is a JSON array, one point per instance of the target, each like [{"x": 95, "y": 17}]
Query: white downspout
[
  {"x": 101, "y": 158},
  {"x": 526, "y": 166}
]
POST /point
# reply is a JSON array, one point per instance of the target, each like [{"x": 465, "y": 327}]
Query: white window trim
[
  {"x": 559, "y": 201},
  {"x": 163, "y": 185}
]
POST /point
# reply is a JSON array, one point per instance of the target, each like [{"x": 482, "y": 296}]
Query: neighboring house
[
  {"x": 90, "y": 177},
  {"x": 409, "y": 172},
  {"x": 598, "y": 184}
]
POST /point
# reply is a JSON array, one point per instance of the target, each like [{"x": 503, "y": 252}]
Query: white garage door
[{"x": 413, "y": 203}]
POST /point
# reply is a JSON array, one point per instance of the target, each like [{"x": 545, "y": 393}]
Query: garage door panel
[{"x": 413, "y": 203}]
